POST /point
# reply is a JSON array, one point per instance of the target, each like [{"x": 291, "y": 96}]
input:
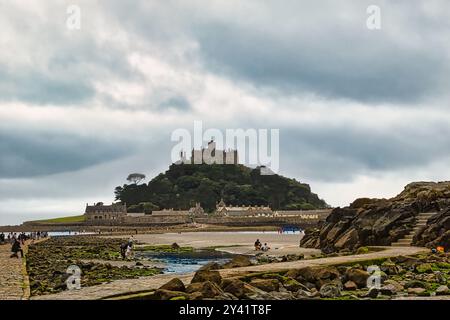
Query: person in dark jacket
[
  {"x": 123, "y": 250},
  {"x": 15, "y": 249}
]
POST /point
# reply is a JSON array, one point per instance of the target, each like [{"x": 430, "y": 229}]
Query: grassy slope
[{"x": 71, "y": 219}]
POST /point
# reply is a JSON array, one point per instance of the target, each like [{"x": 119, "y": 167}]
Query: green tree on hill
[{"x": 183, "y": 185}]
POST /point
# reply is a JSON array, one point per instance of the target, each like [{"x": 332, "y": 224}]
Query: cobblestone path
[{"x": 11, "y": 275}]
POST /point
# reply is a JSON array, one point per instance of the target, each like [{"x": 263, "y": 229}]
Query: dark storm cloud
[
  {"x": 64, "y": 68},
  {"x": 176, "y": 102},
  {"x": 340, "y": 153},
  {"x": 40, "y": 88},
  {"x": 37, "y": 154},
  {"x": 374, "y": 72},
  {"x": 301, "y": 47}
]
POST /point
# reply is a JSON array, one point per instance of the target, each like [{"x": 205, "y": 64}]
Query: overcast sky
[{"x": 361, "y": 112}]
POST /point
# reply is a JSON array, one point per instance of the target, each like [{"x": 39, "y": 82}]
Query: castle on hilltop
[{"x": 210, "y": 155}]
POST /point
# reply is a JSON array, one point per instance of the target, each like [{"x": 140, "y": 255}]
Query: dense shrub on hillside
[{"x": 183, "y": 185}]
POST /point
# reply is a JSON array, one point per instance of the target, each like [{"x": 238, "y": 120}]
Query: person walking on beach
[
  {"x": 123, "y": 250},
  {"x": 131, "y": 241},
  {"x": 15, "y": 248}
]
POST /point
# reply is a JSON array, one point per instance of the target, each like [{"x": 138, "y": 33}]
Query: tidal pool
[{"x": 185, "y": 262}]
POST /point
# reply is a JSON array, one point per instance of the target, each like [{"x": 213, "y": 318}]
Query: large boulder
[
  {"x": 238, "y": 261},
  {"x": 315, "y": 275},
  {"x": 358, "y": 276},
  {"x": 267, "y": 285},
  {"x": 202, "y": 290},
  {"x": 234, "y": 286},
  {"x": 210, "y": 290},
  {"x": 211, "y": 266},
  {"x": 253, "y": 293},
  {"x": 207, "y": 275},
  {"x": 162, "y": 294},
  {"x": 174, "y": 285},
  {"x": 293, "y": 285}
]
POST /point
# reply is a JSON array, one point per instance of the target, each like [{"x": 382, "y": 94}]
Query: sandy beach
[{"x": 233, "y": 242}]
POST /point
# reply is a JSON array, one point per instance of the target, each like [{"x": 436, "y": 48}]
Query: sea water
[{"x": 180, "y": 263}]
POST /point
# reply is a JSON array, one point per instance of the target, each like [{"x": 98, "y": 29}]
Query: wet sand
[{"x": 233, "y": 242}]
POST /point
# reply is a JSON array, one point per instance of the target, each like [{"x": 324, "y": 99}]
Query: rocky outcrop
[
  {"x": 207, "y": 275},
  {"x": 174, "y": 285},
  {"x": 437, "y": 231},
  {"x": 238, "y": 261},
  {"x": 422, "y": 275},
  {"x": 383, "y": 221}
]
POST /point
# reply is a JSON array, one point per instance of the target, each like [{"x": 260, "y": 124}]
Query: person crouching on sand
[
  {"x": 265, "y": 247},
  {"x": 129, "y": 253},
  {"x": 257, "y": 245}
]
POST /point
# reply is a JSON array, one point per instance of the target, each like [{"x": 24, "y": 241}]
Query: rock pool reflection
[{"x": 185, "y": 262}]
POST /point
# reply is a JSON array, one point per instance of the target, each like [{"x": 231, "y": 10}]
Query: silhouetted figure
[
  {"x": 257, "y": 245},
  {"x": 123, "y": 250},
  {"x": 15, "y": 249}
]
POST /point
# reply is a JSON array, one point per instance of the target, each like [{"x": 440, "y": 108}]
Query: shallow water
[
  {"x": 180, "y": 263},
  {"x": 68, "y": 233}
]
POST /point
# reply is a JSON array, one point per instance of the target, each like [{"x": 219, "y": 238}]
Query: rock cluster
[
  {"x": 47, "y": 263},
  {"x": 383, "y": 221},
  {"x": 437, "y": 231},
  {"x": 401, "y": 276},
  {"x": 264, "y": 258}
]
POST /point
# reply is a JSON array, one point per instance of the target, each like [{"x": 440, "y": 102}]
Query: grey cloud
[
  {"x": 60, "y": 68},
  {"x": 40, "y": 88},
  {"x": 176, "y": 102},
  {"x": 342, "y": 152},
  {"x": 36, "y": 154},
  {"x": 299, "y": 47},
  {"x": 338, "y": 62}
]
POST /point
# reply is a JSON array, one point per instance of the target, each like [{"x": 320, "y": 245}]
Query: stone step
[
  {"x": 403, "y": 242},
  {"x": 396, "y": 244},
  {"x": 425, "y": 216}
]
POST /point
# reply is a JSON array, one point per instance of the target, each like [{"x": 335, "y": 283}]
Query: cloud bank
[{"x": 360, "y": 112}]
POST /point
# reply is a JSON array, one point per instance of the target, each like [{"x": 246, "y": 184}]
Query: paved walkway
[
  {"x": 148, "y": 283},
  {"x": 11, "y": 276}
]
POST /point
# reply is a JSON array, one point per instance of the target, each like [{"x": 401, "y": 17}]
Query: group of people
[
  {"x": 17, "y": 240},
  {"x": 260, "y": 247},
  {"x": 126, "y": 249}
]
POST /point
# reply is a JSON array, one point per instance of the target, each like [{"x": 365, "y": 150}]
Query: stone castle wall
[{"x": 308, "y": 218}]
